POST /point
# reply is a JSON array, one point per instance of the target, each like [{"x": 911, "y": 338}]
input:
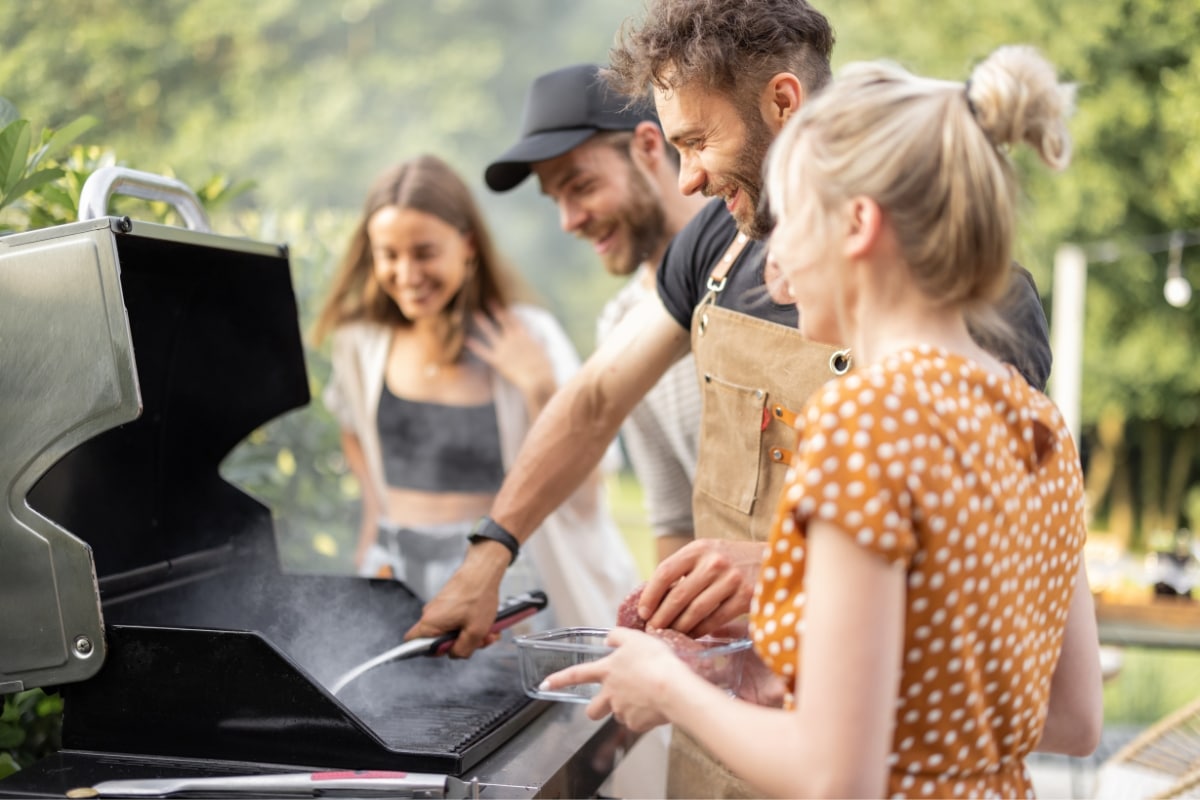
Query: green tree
[
  {"x": 1134, "y": 178},
  {"x": 313, "y": 98}
]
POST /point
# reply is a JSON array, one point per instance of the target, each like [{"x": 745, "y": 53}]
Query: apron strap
[
  {"x": 781, "y": 455},
  {"x": 716, "y": 280},
  {"x": 718, "y": 277},
  {"x": 781, "y": 413}
]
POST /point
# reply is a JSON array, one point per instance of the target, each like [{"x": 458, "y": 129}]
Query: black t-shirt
[
  {"x": 695, "y": 251},
  {"x": 691, "y": 257}
]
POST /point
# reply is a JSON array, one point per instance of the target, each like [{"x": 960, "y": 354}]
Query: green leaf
[
  {"x": 7, "y": 765},
  {"x": 31, "y": 182},
  {"x": 8, "y": 112},
  {"x": 49, "y": 705},
  {"x": 63, "y": 137},
  {"x": 10, "y": 736},
  {"x": 14, "y": 148},
  {"x": 53, "y": 194}
]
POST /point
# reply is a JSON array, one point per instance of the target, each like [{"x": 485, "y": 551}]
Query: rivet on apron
[
  {"x": 840, "y": 362},
  {"x": 707, "y": 378},
  {"x": 776, "y": 454},
  {"x": 758, "y": 394},
  {"x": 703, "y": 322}
]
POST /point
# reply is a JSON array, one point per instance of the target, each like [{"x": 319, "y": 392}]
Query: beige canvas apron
[{"x": 754, "y": 377}]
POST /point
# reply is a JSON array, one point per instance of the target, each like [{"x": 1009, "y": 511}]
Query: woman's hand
[
  {"x": 703, "y": 586},
  {"x": 504, "y": 344},
  {"x": 636, "y": 680}
]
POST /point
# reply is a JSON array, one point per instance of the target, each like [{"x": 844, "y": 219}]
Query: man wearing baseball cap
[
  {"x": 603, "y": 161},
  {"x": 605, "y": 164}
]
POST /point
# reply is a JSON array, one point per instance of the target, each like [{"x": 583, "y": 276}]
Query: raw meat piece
[{"x": 627, "y": 616}]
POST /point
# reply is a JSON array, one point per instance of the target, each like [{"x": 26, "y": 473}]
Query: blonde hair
[{"x": 933, "y": 155}]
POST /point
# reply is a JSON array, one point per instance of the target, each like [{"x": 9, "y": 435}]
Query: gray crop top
[{"x": 439, "y": 448}]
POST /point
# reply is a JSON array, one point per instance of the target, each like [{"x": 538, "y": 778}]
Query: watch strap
[{"x": 488, "y": 528}]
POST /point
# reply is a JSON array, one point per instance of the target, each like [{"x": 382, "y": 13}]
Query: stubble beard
[
  {"x": 747, "y": 175},
  {"x": 645, "y": 226}
]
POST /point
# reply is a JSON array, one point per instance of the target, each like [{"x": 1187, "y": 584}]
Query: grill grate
[{"x": 414, "y": 703}]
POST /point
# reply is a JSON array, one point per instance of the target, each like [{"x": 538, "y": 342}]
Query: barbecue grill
[{"x": 133, "y": 358}]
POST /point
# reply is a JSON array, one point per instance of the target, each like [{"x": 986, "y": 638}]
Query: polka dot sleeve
[{"x": 853, "y": 463}]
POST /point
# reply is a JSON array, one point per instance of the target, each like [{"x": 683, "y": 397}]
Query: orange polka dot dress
[{"x": 973, "y": 483}]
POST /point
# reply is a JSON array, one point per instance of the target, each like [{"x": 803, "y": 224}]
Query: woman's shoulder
[
  {"x": 359, "y": 330},
  {"x": 527, "y": 312}
]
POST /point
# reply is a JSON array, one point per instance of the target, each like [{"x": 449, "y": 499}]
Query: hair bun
[{"x": 1016, "y": 97}]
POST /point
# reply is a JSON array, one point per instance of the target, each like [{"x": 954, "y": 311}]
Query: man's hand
[
  {"x": 703, "y": 586},
  {"x": 468, "y": 601}
]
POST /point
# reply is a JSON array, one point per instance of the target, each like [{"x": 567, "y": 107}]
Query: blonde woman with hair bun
[{"x": 923, "y": 595}]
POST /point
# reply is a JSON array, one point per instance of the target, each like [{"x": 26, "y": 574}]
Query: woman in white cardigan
[{"x": 437, "y": 377}]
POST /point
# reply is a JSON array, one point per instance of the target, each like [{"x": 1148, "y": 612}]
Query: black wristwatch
[{"x": 488, "y": 528}]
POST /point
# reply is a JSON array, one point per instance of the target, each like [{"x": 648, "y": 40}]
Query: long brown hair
[{"x": 425, "y": 183}]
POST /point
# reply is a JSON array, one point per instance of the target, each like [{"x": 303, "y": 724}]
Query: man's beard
[
  {"x": 644, "y": 224},
  {"x": 747, "y": 173}
]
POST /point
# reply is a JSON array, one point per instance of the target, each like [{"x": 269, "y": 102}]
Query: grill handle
[{"x": 102, "y": 184}]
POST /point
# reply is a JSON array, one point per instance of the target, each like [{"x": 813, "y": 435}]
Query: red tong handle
[{"x": 511, "y": 611}]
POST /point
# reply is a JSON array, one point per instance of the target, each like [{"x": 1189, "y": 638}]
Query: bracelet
[{"x": 488, "y": 529}]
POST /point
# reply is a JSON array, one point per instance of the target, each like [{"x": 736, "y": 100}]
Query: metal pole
[{"x": 1066, "y": 332}]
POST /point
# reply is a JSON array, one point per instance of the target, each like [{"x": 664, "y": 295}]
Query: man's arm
[{"x": 563, "y": 447}]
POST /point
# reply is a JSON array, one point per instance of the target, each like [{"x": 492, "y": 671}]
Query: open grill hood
[
  {"x": 133, "y": 358},
  {"x": 117, "y": 402}
]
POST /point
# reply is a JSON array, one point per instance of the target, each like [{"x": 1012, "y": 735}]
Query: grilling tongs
[
  {"x": 365, "y": 783},
  {"x": 511, "y": 611}
]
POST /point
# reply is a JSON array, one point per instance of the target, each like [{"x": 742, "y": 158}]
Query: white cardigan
[{"x": 582, "y": 560}]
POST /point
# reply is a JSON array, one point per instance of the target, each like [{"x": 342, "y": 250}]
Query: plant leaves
[
  {"x": 49, "y": 705},
  {"x": 31, "y": 182},
  {"x": 11, "y": 736},
  {"x": 14, "y": 148},
  {"x": 8, "y": 112},
  {"x": 63, "y": 137}
]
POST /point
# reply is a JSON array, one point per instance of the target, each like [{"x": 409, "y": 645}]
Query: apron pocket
[{"x": 729, "y": 473}]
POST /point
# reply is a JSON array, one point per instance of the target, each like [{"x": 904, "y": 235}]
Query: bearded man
[{"x": 605, "y": 164}]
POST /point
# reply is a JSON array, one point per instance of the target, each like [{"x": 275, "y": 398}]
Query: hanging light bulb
[{"x": 1177, "y": 290}]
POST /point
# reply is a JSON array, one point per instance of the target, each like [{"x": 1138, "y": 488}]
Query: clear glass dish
[{"x": 720, "y": 661}]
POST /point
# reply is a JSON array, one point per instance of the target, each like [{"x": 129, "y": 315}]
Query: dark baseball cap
[{"x": 563, "y": 109}]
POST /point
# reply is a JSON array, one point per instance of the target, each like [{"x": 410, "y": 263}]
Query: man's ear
[
  {"x": 647, "y": 148},
  {"x": 781, "y": 98},
  {"x": 864, "y": 223}
]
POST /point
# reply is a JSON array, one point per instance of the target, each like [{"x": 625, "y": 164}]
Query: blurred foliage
[
  {"x": 30, "y": 727},
  {"x": 22, "y": 171},
  {"x": 1135, "y": 178},
  {"x": 313, "y": 98}
]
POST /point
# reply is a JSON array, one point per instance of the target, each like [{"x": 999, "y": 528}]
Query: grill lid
[{"x": 116, "y": 408}]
